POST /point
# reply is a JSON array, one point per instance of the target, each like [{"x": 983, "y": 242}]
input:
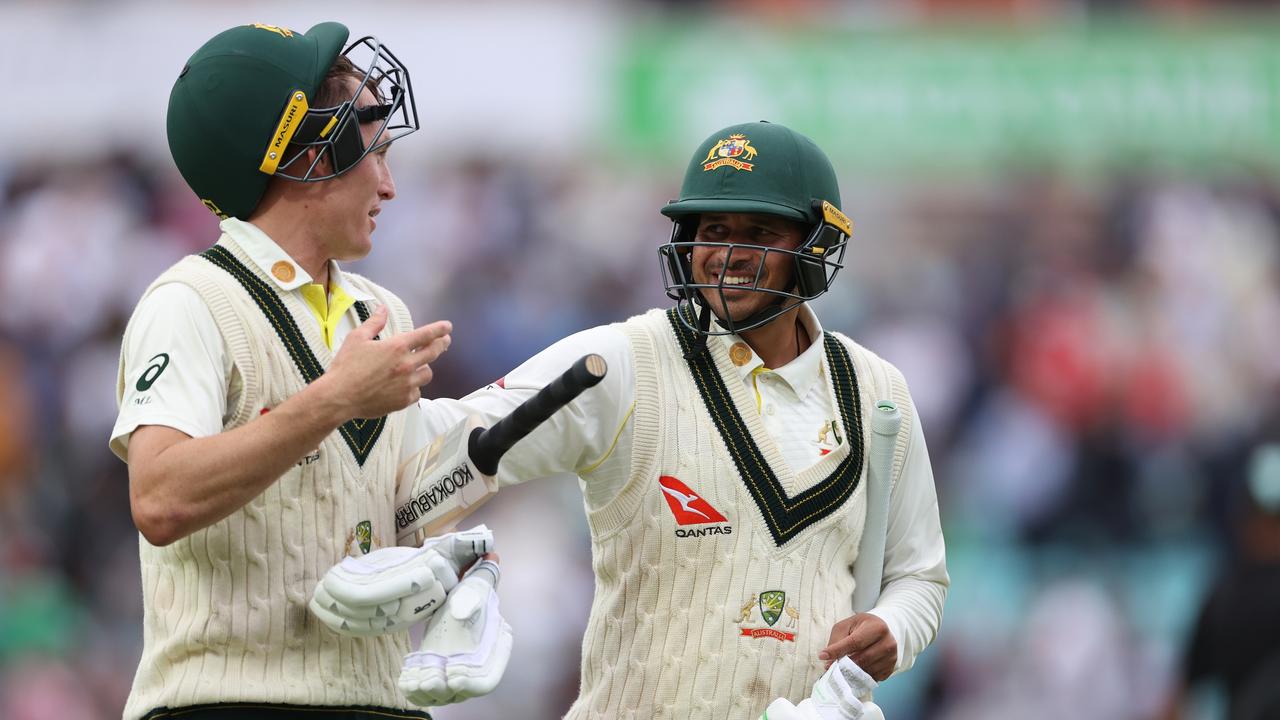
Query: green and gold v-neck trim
[
  {"x": 786, "y": 517},
  {"x": 360, "y": 434}
]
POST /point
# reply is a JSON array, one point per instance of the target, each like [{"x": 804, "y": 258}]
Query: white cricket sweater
[
  {"x": 225, "y": 608},
  {"x": 716, "y": 619}
]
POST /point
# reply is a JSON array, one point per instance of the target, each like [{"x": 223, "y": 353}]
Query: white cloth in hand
[
  {"x": 842, "y": 693},
  {"x": 466, "y": 647},
  {"x": 843, "y": 685},
  {"x": 392, "y": 588}
]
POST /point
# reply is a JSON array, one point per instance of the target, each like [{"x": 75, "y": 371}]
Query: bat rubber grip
[
  {"x": 486, "y": 447},
  {"x": 886, "y": 420}
]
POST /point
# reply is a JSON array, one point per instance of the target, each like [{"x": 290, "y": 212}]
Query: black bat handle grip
[{"x": 486, "y": 447}]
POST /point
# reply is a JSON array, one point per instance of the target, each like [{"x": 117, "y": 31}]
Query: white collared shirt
[
  {"x": 793, "y": 404},
  {"x": 174, "y": 320}
]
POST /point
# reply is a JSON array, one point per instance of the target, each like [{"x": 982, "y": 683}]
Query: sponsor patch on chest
[{"x": 695, "y": 517}]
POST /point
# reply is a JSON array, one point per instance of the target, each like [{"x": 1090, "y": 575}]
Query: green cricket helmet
[
  {"x": 764, "y": 168},
  {"x": 241, "y": 111}
]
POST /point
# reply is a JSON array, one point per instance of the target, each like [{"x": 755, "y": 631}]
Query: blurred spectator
[
  {"x": 16, "y": 456},
  {"x": 39, "y": 689},
  {"x": 1236, "y": 641}
]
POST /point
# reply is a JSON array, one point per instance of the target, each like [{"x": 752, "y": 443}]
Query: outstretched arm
[
  {"x": 588, "y": 437},
  {"x": 456, "y": 475}
]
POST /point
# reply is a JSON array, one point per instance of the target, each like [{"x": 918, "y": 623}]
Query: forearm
[
  {"x": 912, "y": 609},
  {"x": 575, "y": 439},
  {"x": 915, "y": 584},
  {"x": 179, "y": 484}
]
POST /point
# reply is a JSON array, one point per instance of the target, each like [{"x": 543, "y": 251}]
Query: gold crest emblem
[
  {"x": 213, "y": 207},
  {"x": 364, "y": 535},
  {"x": 282, "y": 32},
  {"x": 360, "y": 536},
  {"x": 727, "y": 153},
  {"x": 770, "y": 605},
  {"x": 829, "y": 428},
  {"x": 828, "y": 437}
]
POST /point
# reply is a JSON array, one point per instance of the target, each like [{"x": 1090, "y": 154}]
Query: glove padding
[
  {"x": 842, "y": 693},
  {"x": 392, "y": 588},
  {"x": 466, "y": 647}
]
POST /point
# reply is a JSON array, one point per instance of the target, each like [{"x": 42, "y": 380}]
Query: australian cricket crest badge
[
  {"x": 771, "y": 606},
  {"x": 364, "y": 535},
  {"x": 731, "y": 152},
  {"x": 360, "y": 536}
]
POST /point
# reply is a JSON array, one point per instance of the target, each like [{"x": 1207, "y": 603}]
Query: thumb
[{"x": 374, "y": 325}]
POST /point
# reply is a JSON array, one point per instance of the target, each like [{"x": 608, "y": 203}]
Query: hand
[
  {"x": 465, "y": 650},
  {"x": 371, "y": 378},
  {"x": 392, "y": 588},
  {"x": 866, "y": 640}
]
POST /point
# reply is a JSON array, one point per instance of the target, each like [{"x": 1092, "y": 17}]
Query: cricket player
[
  {"x": 266, "y": 396},
  {"x": 723, "y": 458}
]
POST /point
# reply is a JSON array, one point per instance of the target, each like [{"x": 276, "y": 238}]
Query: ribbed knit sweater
[
  {"x": 225, "y": 608},
  {"x": 716, "y": 619}
]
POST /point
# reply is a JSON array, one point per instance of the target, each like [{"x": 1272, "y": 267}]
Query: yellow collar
[
  {"x": 328, "y": 305},
  {"x": 276, "y": 264}
]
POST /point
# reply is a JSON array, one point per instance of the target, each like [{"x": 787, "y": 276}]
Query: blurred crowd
[{"x": 1093, "y": 359}]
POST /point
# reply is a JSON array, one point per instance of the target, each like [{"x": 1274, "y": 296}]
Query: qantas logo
[{"x": 688, "y": 507}]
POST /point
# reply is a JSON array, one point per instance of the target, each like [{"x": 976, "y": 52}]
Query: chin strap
[
  {"x": 699, "y": 346},
  {"x": 702, "y": 310}
]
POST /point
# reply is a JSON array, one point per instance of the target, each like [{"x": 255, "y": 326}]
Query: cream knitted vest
[
  {"x": 713, "y": 620},
  {"x": 225, "y": 609}
]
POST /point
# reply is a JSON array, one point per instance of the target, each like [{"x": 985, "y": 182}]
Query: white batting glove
[
  {"x": 466, "y": 647},
  {"x": 782, "y": 709},
  {"x": 842, "y": 693},
  {"x": 392, "y": 588}
]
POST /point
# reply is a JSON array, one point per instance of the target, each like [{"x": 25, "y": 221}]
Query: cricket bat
[
  {"x": 460, "y": 465},
  {"x": 868, "y": 569}
]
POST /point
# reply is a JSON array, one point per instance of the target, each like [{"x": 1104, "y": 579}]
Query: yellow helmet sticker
[
  {"x": 329, "y": 126},
  {"x": 832, "y": 215},
  {"x": 289, "y": 122}
]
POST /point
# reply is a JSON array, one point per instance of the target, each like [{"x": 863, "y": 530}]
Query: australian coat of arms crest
[{"x": 731, "y": 152}]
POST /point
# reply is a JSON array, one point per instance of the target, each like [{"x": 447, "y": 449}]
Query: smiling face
[{"x": 746, "y": 264}]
